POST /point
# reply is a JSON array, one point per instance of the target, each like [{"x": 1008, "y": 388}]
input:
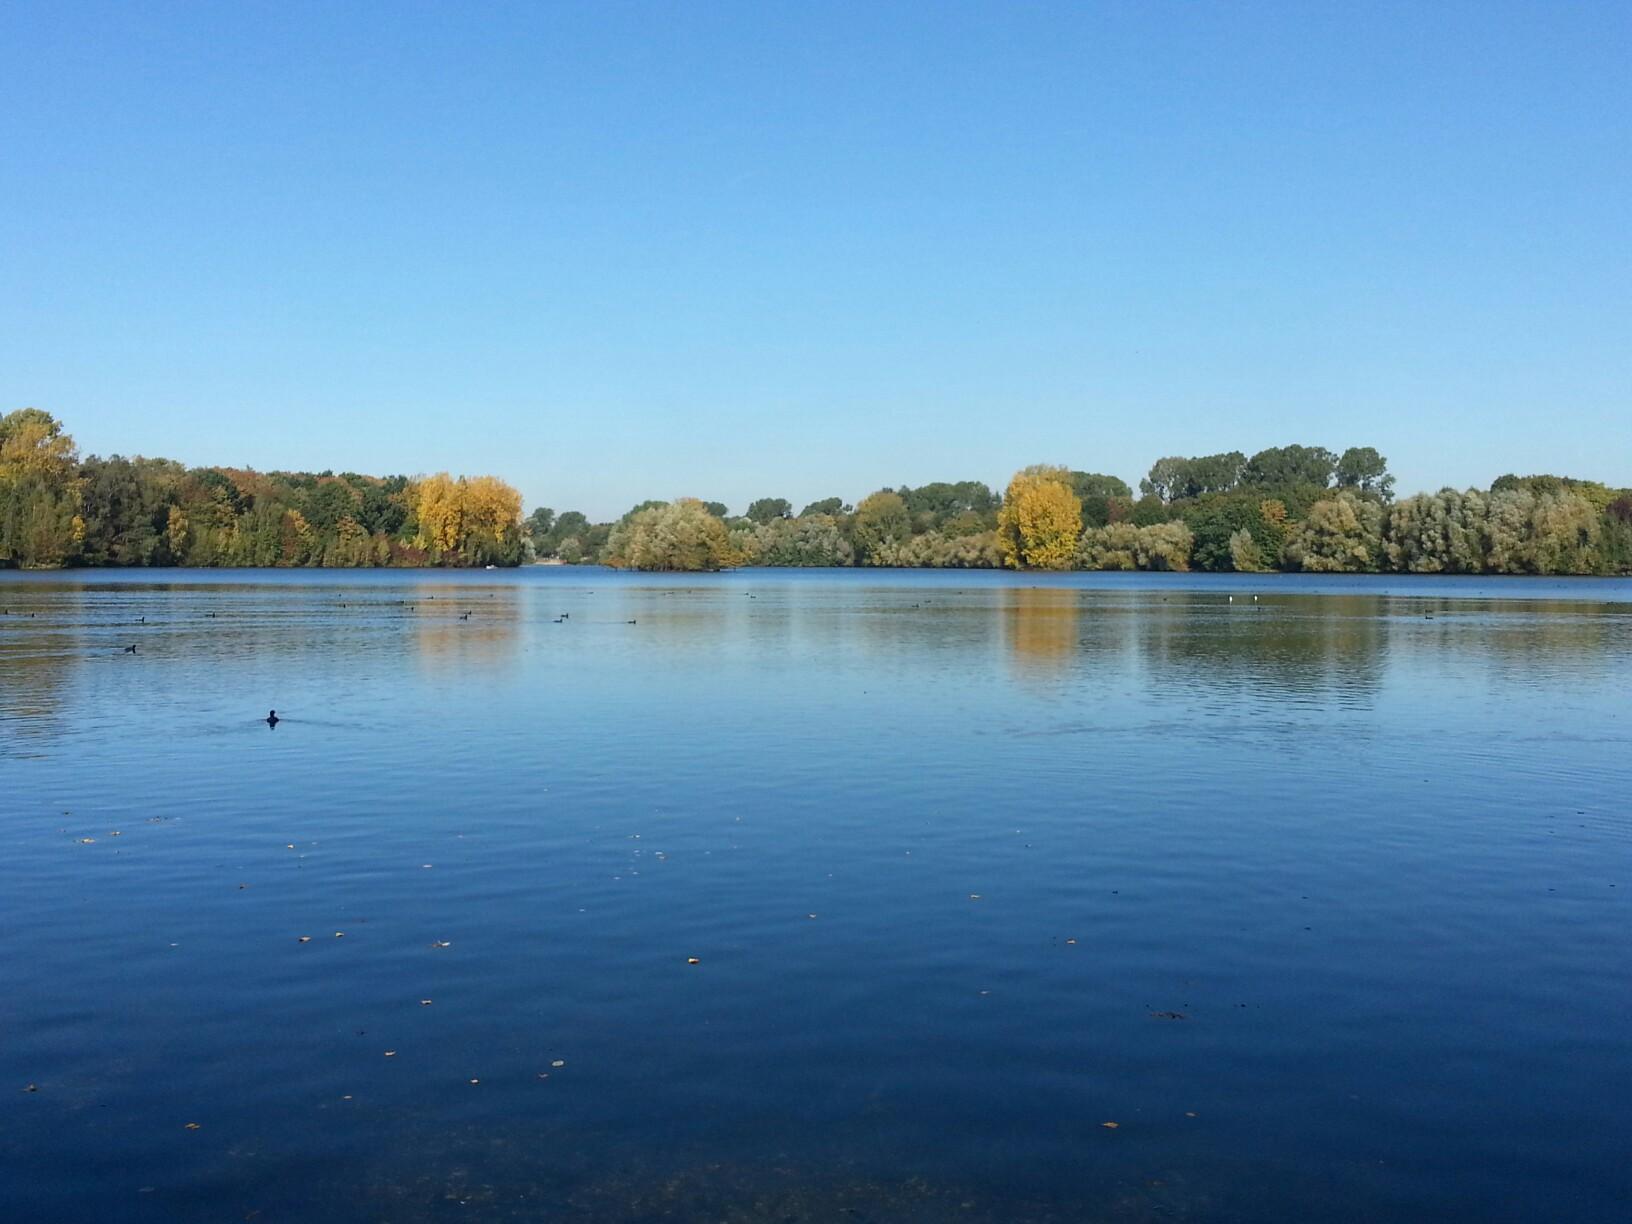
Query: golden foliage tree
[
  {"x": 475, "y": 519},
  {"x": 1041, "y": 518}
]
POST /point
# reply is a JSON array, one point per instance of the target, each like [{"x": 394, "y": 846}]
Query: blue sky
[{"x": 617, "y": 251}]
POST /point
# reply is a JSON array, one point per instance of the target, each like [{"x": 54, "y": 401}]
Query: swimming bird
[
  {"x": 272, "y": 718},
  {"x": 631, "y": 622},
  {"x": 131, "y": 649}
]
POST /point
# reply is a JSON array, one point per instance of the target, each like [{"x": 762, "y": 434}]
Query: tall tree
[{"x": 1041, "y": 518}]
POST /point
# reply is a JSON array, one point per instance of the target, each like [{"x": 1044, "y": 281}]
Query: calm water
[{"x": 1323, "y": 899}]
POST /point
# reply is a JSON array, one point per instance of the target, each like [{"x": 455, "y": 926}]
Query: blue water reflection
[{"x": 1321, "y": 897}]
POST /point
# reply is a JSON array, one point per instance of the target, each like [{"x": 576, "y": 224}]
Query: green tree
[
  {"x": 880, "y": 518},
  {"x": 1281, "y": 467},
  {"x": 681, "y": 536},
  {"x": 1362, "y": 468},
  {"x": 765, "y": 509},
  {"x": 828, "y": 505},
  {"x": 1342, "y": 534}
]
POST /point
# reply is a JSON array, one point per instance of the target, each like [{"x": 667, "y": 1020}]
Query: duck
[
  {"x": 131, "y": 649},
  {"x": 272, "y": 718}
]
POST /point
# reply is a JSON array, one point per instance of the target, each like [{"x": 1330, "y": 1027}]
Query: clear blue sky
[{"x": 616, "y": 251}]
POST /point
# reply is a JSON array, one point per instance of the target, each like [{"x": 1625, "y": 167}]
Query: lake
[{"x": 806, "y": 896}]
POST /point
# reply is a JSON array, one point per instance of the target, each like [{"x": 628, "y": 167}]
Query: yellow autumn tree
[
  {"x": 473, "y": 519},
  {"x": 441, "y": 514},
  {"x": 492, "y": 512},
  {"x": 40, "y": 492},
  {"x": 1041, "y": 518}
]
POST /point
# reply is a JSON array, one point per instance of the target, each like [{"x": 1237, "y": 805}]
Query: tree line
[
  {"x": 57, "y": 509},
  {"x": 1295, "y": 507}
]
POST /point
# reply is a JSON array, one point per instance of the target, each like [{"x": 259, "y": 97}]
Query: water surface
[{"x": 1317, "y": 889}]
